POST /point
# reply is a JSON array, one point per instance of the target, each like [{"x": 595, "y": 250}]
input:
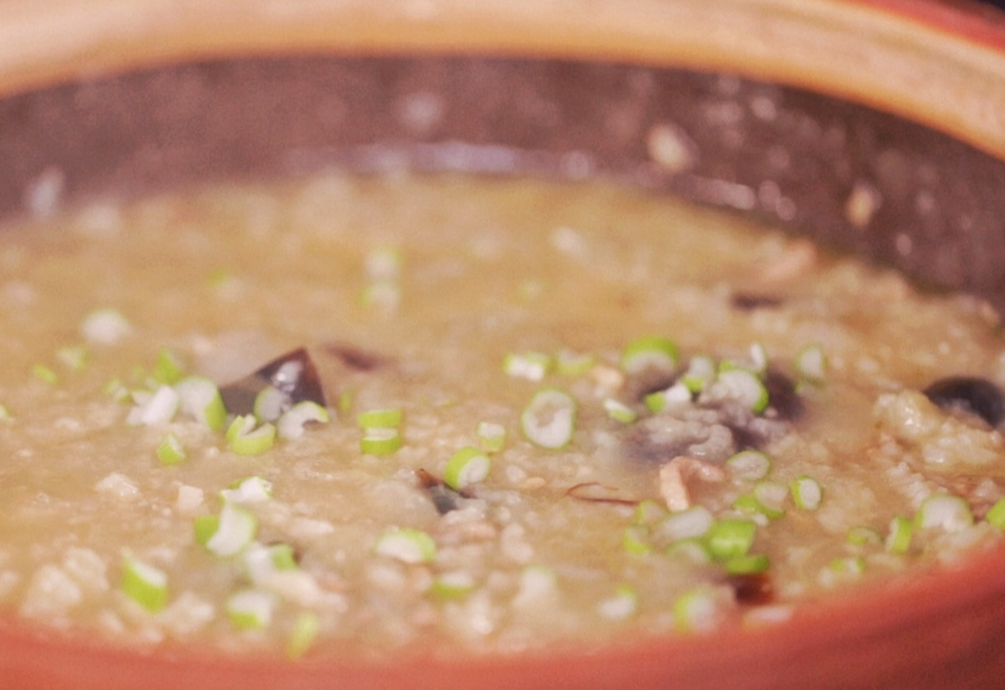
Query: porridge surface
[{"x": 732, "y": 425}]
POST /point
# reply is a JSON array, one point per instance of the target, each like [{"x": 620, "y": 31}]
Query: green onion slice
[
  {"x": 385, "y": 418},
  {"x": 491, "y": 436},
  {"x": 811, "y": 363},
  {"x": 861, "y": 535},
  {"x": 293, "y": 422},
  {"x": 380, "y": 441},
  {"x": 229, "y": 533},
  {"x": 635, "y": 540},
  {"x": 105, "y": 327},
  {"x": 730, "y": 538},
  {"x": 806, "y": 492},
  {"x": 145, "y": 584},
  {"x": 689, "y": 523},
  {"x": 549, "y": 418},
  {"x": 168, "y": 368},
  {"x": 305, "y": 632},
  {"x": 898, "y": 539},
  {"x": 570, "y": 363},
  {"x": 74, "y": 357},
  {"x": 749, "y": 465},
  {"x": 467, "y": 466},
  {"x": 453, "y": 585},
  {"x": 747, "y": 564},
  {"x": 944, "y": 511},
  {"x": 622, "y": 605},
  {"x": 674, "y": 395},
  {"x": 697, "y": 610},
  {"x": 200, "y": 399},
  {"x": 996, "y": 515},
  {"x": 700, "y": 373},
  {"x": 251, "y": 609},
  {"x": 745, "y": 387},
  {"x": 248, "y": 490},
  {"x": 261, "y": 562},
  {"x": 250, "y": 440},
  {"x": 649, "y": 352},
  {"x": 170, "y": 450},
  {"x": 156, "y": 408},
  {"x": 270, "y": 404},
  {"x": 406, "y": 545},
  {"x": 619, "y": 412},
  {"x": 771, "y": 497},
  {"x": 532, "y": 366},
  {"x": 45, "y": 374}
]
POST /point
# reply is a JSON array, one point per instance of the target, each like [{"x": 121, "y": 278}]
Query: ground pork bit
[{"x": 682, "y": 471}]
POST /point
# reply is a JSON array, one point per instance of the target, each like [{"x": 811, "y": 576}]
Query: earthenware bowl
[{"x": 877, "y": 127}]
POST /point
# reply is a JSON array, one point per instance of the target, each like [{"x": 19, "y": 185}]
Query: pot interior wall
[{"x": 849, "y": 176}]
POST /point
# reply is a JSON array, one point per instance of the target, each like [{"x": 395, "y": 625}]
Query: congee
[{"x": 470, "y": 416}]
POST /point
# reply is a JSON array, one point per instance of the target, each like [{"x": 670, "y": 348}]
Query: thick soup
[{"x": 475, "y": 416}]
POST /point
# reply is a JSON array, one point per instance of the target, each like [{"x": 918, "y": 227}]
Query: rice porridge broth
[{"x": 454, "y": 302}]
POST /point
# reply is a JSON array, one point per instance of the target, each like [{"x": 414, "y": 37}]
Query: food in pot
[{"x": 470, "y": 416}]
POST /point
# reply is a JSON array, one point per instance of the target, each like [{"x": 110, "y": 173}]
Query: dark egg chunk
[{"x": 971, "y": 394}]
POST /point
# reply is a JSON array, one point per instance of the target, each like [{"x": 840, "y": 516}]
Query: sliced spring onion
[
  {"x": 170, "y": 450},
  {"x": 467, "y": 466},
  {"x": 898, "y": 539},
  {"x": 453, "y": 585},
  {"x": 730, "y": 538},
  {"x": 619, "y": 412},
  {"x": 380, "y": 441},
  {"x": 771, "y": 497},
  {"x": 5, "y": 415},
  {"x": 532, "y": 366},
  {"x": 697, "y": 610},
  {"x": 811, "y": 363},
  {"x": 623, "y": 604},
  {"x": 105, "y": 327},
  {"x": 45, "y": 374},
  {"x": 382, "y": 294},
  {"x": 144, "y": 584},
  {"x": 749, "y": 465},
  {"x": 689, "y": 523},
  {"x": 861, "y": 535},
  {"x": 745, "y": 387},
  {"x": 200, "y": 399},
  {"x": 692, "y": 550},
  {"x": 251, "y": 609},
  {"x": 168, "y": 368},
  {"x": 270, "y": 404},
  {"x": 491, "y": 436},
  {"x": 292, "y": 423},
  {"x": 117, "y": 391},
  {"x": 674, "y": 395},
  {"x": 384, "y": 418},
  {"x": 549, "y": 418},
  {"x": 157, "y": 408},
  {"x": 944, "y": 511},
  {"x": 635, "y": 540},
  {"x": 996, "y": 515},
  {"x": 305, "y": 632},
  {"x": 384, "y": 262},
  {"x": 228, "y": 533},
  {"x": 806, "y": 492},
  {"x": 747, "y": 564},
  {"x": 649, "y": 351},
  {"x": 407, "y": 545},
  {"x": 700, "y": 373},
  {"x": 850, "y": 566},
  {"x": 248, "y": 490},
  {"x": 570, "y": 363},
  {"x": 247, "y": 439},
  {"x": 261, "y": 561}
]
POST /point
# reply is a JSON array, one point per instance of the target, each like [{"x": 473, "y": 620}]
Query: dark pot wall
[{"x": 849, "y": 176}]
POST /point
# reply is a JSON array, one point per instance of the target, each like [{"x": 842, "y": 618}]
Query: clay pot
[{"x": 798, "y": 111}]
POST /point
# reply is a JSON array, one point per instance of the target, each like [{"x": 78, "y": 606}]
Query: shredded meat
[{"x": 682, "y": 471}]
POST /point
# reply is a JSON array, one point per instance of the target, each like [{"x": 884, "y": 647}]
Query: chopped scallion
[
  {"x": 168, "y": 368},
  {"x": 380, "y": 441},
  {"x": 898, "y": 539},
  {"x": 674, "y": 395},
  {"x": 806, "y": 492},
  {"x": 251, "y": 609},
  {"x": 635, "y": 540},
  {"x": 105, "y": 327},
  {"x": 862, "y": 535},
  {"x": 407, "y": 545},
  {"x": 749, "y": 465},
  {"x": 570, "y": 363},
  {"x": 996, "y": 515},
  {"x": 491, "y": 436},
  {"x": 649, "y": 351},
  {"x": 697, "y": 610},
  {"x": 620, "y": 412},
  {"x": 145, "y": 584},
  {"x": 549, "y": 418},
  {"x": 745, "y": 387},
  {"x": 467, "y": 466},
  {"x": 305, "y": 632},
  {"x": 700, "y": 373},
  {"x": 292, "y": 423},
  {"x": 157, "y": 408},
  {"x": 747, "y": 564},
  {"x": 730, "y": 538},
  {"x": 689, "y": 523},
  {"x": 623, "y": 604},
  {"x": 45, "y": 374},
  {"x": 944, "y": 511},
  {"x": 453, "y": 585},
  {"x": 170, "y": 450},
  {"x": 270, "y": 404},
  {"x": 248, "y": 490},
  {"x": 200, "y": 399},
  {"x": 532, "y": 366},
  {"x": 229, "y": 533},
  {"x": 385, "y": 418},
  {"x": 247, "y": 439},
  {"x": 811, "y": 363}
]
